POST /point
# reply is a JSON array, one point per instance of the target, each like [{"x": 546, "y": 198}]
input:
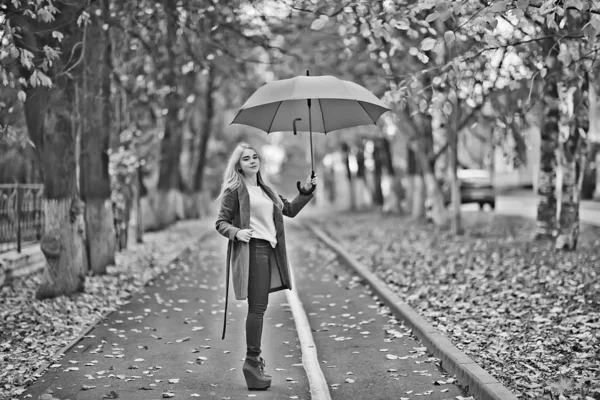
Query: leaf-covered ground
[
  {"x": 32, "y": 331},
  {"x": 527, "y": 314}
]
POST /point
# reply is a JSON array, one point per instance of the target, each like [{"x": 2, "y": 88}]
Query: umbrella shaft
[{"x": 312, "y": 164}]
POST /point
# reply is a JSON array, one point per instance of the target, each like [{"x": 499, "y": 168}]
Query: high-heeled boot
[{"x": 254, "y": 372}]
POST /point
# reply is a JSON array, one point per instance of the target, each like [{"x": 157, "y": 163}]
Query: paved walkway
[{"x": 167, "y": 340}]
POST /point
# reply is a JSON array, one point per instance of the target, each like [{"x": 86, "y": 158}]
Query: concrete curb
[
  {"x": 163, "y": 261},
  {"x": 18, "y": 265},
  {"x": 471, "y": 376}
]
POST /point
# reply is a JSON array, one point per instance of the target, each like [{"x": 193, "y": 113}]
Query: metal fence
[{"x": 21, "y": 215}]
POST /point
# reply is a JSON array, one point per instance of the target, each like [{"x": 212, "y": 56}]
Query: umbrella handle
[
  {"x": 294, "y": 124},
  {"x": 302, "y": 190}
]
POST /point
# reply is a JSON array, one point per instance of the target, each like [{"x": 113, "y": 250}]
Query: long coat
[{"x": 234, "y": 215}]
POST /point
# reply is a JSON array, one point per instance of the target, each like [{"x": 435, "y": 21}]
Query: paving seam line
[
  {"x": 163, "y": 261},
  {"x": 469, "y": 374}
]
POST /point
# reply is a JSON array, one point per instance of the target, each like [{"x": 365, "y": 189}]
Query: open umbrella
[{"x": 310, "y": 104}]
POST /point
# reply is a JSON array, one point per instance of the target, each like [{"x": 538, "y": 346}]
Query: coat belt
[{"x": 226, "y": 289}]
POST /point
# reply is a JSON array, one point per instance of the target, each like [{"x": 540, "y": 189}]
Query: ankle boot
[
  {"x": 263, "y": 364},
  {"x": 254, "y": 372}
]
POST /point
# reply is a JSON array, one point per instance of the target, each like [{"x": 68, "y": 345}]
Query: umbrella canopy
[{"x": 336, "y": 104}]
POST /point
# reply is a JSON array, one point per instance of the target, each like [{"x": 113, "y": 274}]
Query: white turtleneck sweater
[{"x": 261, "y": 215}]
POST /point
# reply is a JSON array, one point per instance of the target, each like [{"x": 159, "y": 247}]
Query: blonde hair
[{"x": 233, "y": 178}]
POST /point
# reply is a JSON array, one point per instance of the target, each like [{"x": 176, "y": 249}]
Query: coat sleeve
[
  {"x": 291, "y": 209},
  {"x": 229, "y": 207}
]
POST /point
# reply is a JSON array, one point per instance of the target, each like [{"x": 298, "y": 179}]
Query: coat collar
[
  {"x": 244, "y": 201},
  {"x": 242, "y": 192}
]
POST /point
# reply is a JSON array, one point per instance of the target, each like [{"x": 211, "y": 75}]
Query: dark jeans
[{"x": 261, "y": 255}]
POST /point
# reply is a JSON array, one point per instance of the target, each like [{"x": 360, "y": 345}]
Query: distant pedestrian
[{"x": 251, "y": 217}]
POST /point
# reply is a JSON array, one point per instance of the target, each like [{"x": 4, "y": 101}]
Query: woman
[{"x": 251, "y": 217}]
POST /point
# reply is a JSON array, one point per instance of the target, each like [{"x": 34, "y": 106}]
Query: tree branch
[
  {"x": 442, "y": 149},
  {"x": 191, "y": 52},
  {"x": 117, "y": 24},
  {"x": 306, "y": 10},
  {"x": 254, "y": 39},
  {"x": 465, "y": 121}
]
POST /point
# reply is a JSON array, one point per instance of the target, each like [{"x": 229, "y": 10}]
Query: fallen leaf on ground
[
  {"x": 497, "y": 295},
  {"x": 46, "y": 326}
]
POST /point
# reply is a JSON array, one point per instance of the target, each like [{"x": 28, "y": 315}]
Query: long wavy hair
[{"x": 233, "y": 178}]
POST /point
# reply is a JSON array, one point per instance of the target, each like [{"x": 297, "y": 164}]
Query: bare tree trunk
[
  {"x": 394, "y": 193},
  {"x": 423, "y": 148},
  {"x": 363, "y": 194},
  {"x": 419, "y": 196},
  {"x": 96, "y": 117},
  {"x": 200, "y": 195},
  {"x": 452, "y": 166},
  {"x": 169, "y": 181},
  {"x": 411, "y": 168},
  {"x": 426, "y": 159},
  {"x": 194, "y": 121},
  {"x": 434, "y": 193},
  {"x": 63, "y": 241},
  {"x": 377, "y": 172},
  {"x": 574, "y": 157},
  {"x": 139, "y": 221},
  {"x": 417, "y": 191},
  {"x": 597, "y": 163},
  {"x": 594, "y": 132},
  {"x": 422, "y": 136},
  {"x": 63, "y": 247},
  {"x": 547, "y": 207},
  {"x": 346, "y": 156}
]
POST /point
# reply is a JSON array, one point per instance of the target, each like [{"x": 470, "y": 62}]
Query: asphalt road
[
  {"x": 525, "y": 203},
  {"x": 168, "y": 339}
]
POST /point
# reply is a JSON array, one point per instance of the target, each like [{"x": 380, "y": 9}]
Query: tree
[
  {"x": 191, "y": 53},
  {"x": 573, "y": 152},
  {"x": 568, "y": 34},
  {"x": 437, "y": 24},
  {"x": 413, "y": 95},
  {"x": 205, "y": 134},
  {"x": 378, "y": 158},
  {"x": 368, "y": 27},
  {"x": 49, "y": 116},
  {"x": 95, "y": 186},
  {"x": 169, "y": 180},
  {"x": 575, "y": 118}
]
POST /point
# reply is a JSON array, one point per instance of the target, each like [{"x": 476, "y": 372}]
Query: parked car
[{"x": 476, "y": 186}]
